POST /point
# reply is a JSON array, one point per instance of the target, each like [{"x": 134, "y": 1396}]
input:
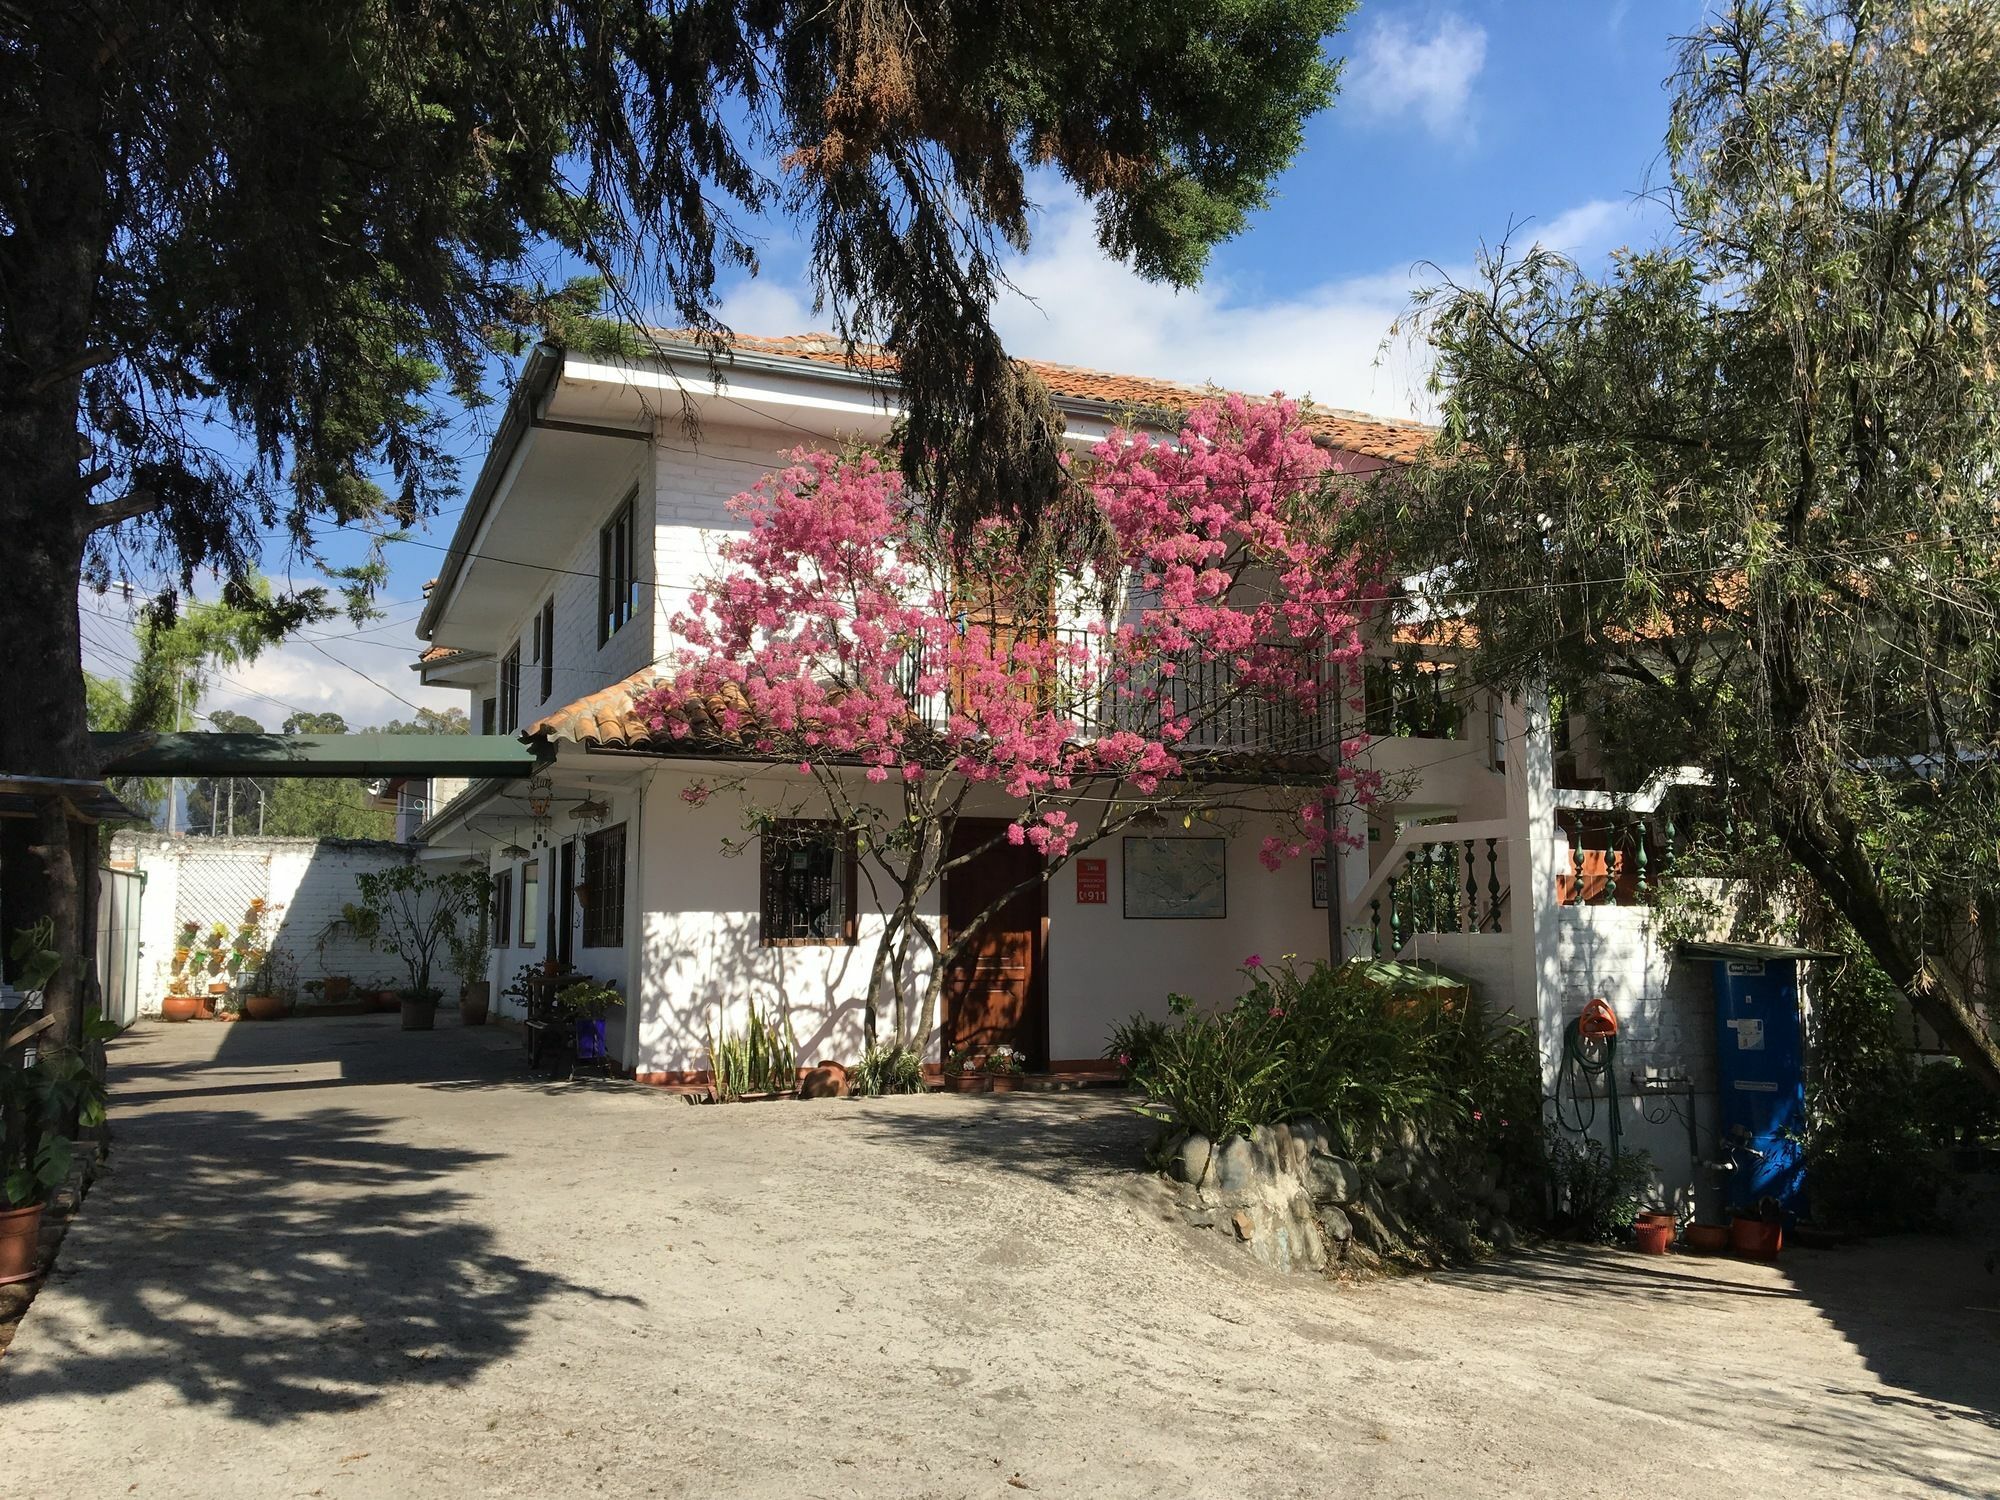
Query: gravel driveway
[{"x": 334, "y": 1259}]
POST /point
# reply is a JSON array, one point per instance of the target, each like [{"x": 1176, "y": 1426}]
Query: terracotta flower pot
[
  {"x": 20, "y": 1234},
  {"x": 179, "y": 1008},
  {"x": 1706, "y": 1239},
  {"x": 967, "y": 1083},
  {"x": 1754, "y": 1239},
  {"x": 474, "y": 1004},
  {"x": 1002, "y": 1083},
  {"x": 419, "y": 1015},
  {"x": 1652, "y": 1237},
  {"x": 263, "y": 1007},
  {"x": 388, "y": 1000},
  {"x": 338, "y": 987}
]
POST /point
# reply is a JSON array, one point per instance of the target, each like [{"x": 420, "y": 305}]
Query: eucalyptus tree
[
  {"x": 1736, "y": 498},
  {"x": 245, "y": 248}
]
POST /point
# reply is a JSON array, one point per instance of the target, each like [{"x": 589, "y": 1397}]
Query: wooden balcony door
[{"x": 995, "y": 995}]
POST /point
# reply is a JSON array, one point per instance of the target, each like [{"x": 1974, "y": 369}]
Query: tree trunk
[
  {"x": 1933, "y": 990},
  {"x": 50, "y": 262}
]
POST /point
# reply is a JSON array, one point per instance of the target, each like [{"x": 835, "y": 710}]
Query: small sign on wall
[
  {"x": 1321, "y": 894},
  {"x": 1093, "y": 882}
]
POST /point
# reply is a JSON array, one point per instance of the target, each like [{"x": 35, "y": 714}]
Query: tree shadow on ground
[
  {"x": 279, "y": 1267},
  {"x": 1066, "y": 1139},
  {"x": 1920, "y": 1312}
]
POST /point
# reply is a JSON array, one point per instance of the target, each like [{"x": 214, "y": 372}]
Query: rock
[
  {"x": 825, "y": 1080},
  {"x": 1339, "y": 1228},
  {"x": 1332, "y": 1179},
  {"x": 1197, "y": 1217},
  {"x": 1244, "y": 1225},
  {"x": 1237, "y": 1166},
  {"x": 1500, "y": 1201},
  {"x": 1391, "y": 1168},
  {"x": 1312, "y": 1137},
  {"x": 1274, "y": 1149},
  {"x": 1191, "y": 1159}
]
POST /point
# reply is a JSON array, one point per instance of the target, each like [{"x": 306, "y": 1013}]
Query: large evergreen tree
[
  {"x": 243, "y": 247},
  {"x": 1736, "y": 501}
]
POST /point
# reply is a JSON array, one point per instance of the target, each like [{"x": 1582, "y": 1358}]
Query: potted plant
[
  {"x": 354, "y": 924},
  {"x": 468, "y": 958},
  {"x": 416, "y": 913},
  {"x": 1004, "y": 1067},
  {"x": 270, "y": 987},
  {"x": 335, "y": 987},
  {"x": 586, "y": 1003},
  {"x": 38, "y": 1105},
  {"x": 179, "y": 1005},
  {"x": 1758, "y": 1233},
  {"x": 964, "y": 1072}
]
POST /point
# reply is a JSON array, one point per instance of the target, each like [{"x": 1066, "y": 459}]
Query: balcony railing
[{"x": 1221, "y": 713}]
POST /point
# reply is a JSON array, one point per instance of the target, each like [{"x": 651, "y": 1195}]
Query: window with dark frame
[
  {"x": 545, "y": 646},
  {"x": 531, "y": 903},
  {"x": 808, "y": 884},
  {"x": 617, "y": 580},
  {"x": 488, "y": 708},
  {"x": 510, "y": 690},
  {"x": 604, "y": 888},
  {"x": 503, "y": 908}
]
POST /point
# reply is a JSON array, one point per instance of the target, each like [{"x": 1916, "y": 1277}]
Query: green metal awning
[
  {"x": 368, "y": 756},
  {"x": 1751, "y": 951}
]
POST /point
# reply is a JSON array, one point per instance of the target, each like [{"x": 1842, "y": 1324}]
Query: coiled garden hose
[{"x": 1584, "y": 1061}]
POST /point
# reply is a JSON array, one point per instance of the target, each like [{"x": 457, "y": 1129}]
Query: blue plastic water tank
[{"x": 1760, "y": 1079}]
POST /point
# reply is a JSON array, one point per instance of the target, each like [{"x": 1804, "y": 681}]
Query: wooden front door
[{"x": 993, "y": 994}]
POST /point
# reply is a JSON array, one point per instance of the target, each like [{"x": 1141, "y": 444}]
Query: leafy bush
[
  {"x": 1332, "y": 1044},
  {"x": 1597, "y": 1198},
  {"x": 1134, "y": 1044},
  {"x": 1868, "y": 1158},
  {"x": 1953, "y": 1107},
  {"x": 763, "y": 1060},
  {"x": 887, "y": 1070}
]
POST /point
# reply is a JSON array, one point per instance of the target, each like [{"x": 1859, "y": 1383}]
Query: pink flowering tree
[{"x": 1185, "y": 667}]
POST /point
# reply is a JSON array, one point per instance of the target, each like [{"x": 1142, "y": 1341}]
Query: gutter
[{"x": 538, "y": 377}]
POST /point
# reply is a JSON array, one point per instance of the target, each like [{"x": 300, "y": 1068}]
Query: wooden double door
[{"x": 996, "y": 994}]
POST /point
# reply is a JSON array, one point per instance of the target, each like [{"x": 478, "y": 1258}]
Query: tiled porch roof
[{"x": 1386, "y": 438}]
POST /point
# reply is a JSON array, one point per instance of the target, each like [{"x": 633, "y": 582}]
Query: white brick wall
[
  {"x": 695, "y": 483},
  {"x": 1666, "y": 1025},
  {"x": 212, "y": 880}
]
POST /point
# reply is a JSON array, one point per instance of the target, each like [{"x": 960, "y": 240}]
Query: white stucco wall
[
  {"x": 1103, "y": 966},
  {"x": 209, "y": 880}
]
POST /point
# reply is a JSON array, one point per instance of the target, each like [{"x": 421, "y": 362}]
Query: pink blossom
[{"x": 1254, "y": 961}]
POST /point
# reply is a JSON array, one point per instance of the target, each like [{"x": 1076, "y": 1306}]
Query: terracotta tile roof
[
  {"x": 442, "y": 653},
  {"x": 604, "y": 718},
  {"x": 1386, "y": 438}
]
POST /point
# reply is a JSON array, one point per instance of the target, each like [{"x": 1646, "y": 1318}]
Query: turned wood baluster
[
  {"x": 1471, "y": 890},
  {"x": 1493, "y": 883}
]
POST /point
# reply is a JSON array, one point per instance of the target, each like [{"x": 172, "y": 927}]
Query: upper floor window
[
  {"x": 617, "y": 575},
  {"x": 545, "y": 645},
  {"x": 510, "y": 689},
  {"x": 809, "y": 884}
]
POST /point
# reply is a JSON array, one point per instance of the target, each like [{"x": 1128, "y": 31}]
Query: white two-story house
[{"x": 600, "y": 507}]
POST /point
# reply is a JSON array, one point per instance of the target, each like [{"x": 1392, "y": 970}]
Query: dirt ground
[{"x": 334, "y": 1259}]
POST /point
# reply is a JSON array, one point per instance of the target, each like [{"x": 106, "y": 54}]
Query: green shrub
[
  {"x": 762, "y": 1060},
  {"x": 1330, "y": 1043},
  {"x": 1953, "y": 1107},
  {"x": 1596, "y": 1198},
  {"x": 894, "y": 1069},
  {"x": 1134, "y": 1044}
]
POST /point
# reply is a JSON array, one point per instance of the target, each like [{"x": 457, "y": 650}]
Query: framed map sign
[{"x": 1176, "y": 878}]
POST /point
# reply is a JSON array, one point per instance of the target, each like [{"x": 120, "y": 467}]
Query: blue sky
[{"x": 1454, "y": 121}]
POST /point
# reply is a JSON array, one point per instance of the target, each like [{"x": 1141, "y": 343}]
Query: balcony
[{"x": 1221, "y": 714}]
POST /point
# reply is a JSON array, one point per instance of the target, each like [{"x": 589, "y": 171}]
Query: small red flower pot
[{"x": 1651, "y": 1237}]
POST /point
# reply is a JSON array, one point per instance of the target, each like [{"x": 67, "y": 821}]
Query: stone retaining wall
[{"x": 1286, "y": 1194}]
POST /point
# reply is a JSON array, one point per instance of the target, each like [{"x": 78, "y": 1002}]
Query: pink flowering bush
[{"x": 849, "y": 634}]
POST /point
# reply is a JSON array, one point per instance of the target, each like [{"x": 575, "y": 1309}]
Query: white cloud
[
  {"x": 1395, "y": 70},
  {"x": 292, "y": 675},
  {"x": 1330, "y": 341}
]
